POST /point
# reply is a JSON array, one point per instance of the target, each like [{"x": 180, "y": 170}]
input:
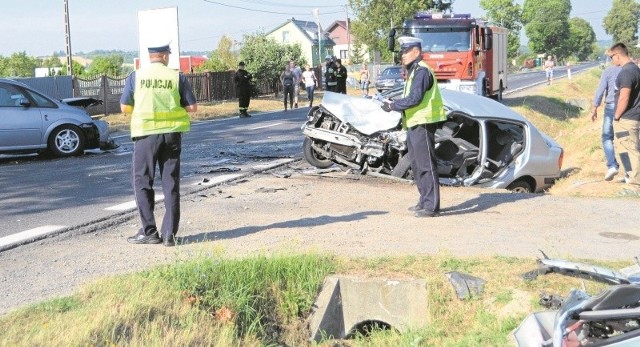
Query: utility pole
[
  {"x": 346, "y": 11},
  {"x": 316, "y": 13},
  {"x": 67, "y": 32}
]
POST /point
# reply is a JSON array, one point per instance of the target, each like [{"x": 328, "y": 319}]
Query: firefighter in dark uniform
[
  {"x": 330, "y": 78},
  {"x": 243, "y": 85},
  {"x": 159, "y": 100},
  {"x": 421, "y": 107},
  {"x": 341, "y": 77}
]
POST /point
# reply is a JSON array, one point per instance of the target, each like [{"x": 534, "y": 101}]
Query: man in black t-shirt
[{"x": 628, "y": 110}]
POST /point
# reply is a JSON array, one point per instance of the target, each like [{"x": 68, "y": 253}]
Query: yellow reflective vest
[
  {"x": 430, "y": 109},
  {"x": 157, "y": 107}
]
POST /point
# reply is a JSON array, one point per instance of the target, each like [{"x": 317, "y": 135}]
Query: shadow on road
[
  {"x": 485, "y": 201},
  {"x": 302, "y": 222}
]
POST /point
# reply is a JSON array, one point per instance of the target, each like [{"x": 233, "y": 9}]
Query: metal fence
[{"x": 207, "y": 86}]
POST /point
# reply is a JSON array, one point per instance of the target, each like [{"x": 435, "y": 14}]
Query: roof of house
[
  {"x": 308, "y": 28},
  {"x": 340, "y": 23}
]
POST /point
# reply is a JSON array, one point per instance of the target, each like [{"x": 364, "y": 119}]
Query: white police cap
[{"x": 408, "y": 42}]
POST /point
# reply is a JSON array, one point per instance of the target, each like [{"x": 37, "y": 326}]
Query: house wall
[
  {"x": 339, "y": 35},
  {"x": 294, "y": 36}
]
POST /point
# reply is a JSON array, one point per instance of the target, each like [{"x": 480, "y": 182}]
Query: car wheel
[
  {"x": 66, "y": 141},
  {"x": 520, "y": 186},
  {"x": 313, "y": 157}
]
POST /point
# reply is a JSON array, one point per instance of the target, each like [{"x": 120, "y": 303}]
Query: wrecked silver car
[{"x": 481, "y": 143}]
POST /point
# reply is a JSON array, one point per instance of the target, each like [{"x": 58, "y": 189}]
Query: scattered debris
[
  {"x": 547, "y": 265},
  {"x": 465, "y": 285},
  {"x": 551, "y": 301},
  {"x": 282, "y": 174},
  {"x": 268, "y": 190},
  {"x": 224, "y": 169}
]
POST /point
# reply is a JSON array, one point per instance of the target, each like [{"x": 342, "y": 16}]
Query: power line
[{"x": 264, "y": 11}]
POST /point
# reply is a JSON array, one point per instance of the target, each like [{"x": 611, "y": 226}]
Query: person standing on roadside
[
  {"x": 310, "y": 83},
  {"x": 341, "y": 77},
  {"x": 330, "y": 81},
  {"x": 297, "y": 73},
  {"x": 287, "y": 78},
  {"x": 243, "y": 85},
  {"x": 606, "y": 91},
  {"x": 627, "y": 111},
  {"x": 548, "y": 69},
  {"x": 364, "y": 79},
  {"x": 159, "y": 100},
  {"x": 422, "y": 107}
]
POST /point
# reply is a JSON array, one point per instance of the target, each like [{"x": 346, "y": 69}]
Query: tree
[
  {"x": 110, "y": 66},
  {"x": 357, "y": 56},
  {"x": 52, "y": 61},
  {"x": 18, "y": 65},
  {"x": 508, "y": 14},
  {"x": 622, "y": 22},
  {"x": 547, "y": 26},
  {"x": 374, "y": 19},
  {"x": 265, "y": 58},
  {"x": 222, "y": 59},
  {"x": 581, "y": 38}
]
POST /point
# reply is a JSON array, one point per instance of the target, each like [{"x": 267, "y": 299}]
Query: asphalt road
[
  {"x": 42, "y": 196},
  {"x": 48, "y": 195}
]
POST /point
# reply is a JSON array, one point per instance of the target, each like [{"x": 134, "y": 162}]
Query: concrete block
[{"x": 346, "y": 303}]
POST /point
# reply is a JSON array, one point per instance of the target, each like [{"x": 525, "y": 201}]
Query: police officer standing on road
[
  {"x": 159, "y": 100},
  {"x": 422, "y": 108},
  {"x": 330, "y": 78},
  {"x": 243, "y": 84}
]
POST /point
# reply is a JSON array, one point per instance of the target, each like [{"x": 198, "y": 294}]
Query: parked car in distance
[
  {"x": 390, "y": 78},
  {"x": 31, "y": 122}
]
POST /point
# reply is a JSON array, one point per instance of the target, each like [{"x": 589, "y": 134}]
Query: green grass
[{"x": 266, "y": 301}]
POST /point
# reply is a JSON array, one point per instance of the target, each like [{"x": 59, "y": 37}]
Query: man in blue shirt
[{"x": 606, "y": 90}]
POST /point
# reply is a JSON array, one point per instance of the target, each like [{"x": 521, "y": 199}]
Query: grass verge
[{"x": 265, "y": 301}]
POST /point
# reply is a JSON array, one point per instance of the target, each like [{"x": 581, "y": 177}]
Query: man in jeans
[
  {"x": 628, "y": 109},
  {"x": 606, "y": 90}
]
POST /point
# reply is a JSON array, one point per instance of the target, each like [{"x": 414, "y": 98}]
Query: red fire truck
[{"x": 465, "y": 53}]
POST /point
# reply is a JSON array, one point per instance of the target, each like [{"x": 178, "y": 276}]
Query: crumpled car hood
[{"x": 82, "y": 101}]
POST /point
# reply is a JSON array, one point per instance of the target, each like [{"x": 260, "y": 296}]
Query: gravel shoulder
[{"x": 339, "y": 213}]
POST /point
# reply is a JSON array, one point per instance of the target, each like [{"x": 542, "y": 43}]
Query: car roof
[{"x": 478, "y": 106}]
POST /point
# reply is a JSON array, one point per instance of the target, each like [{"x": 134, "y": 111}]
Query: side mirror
[
  {"x": 392, "y": 40},
  {"x": 24, "y": 102},
  {"x": 488, "y": 39}
]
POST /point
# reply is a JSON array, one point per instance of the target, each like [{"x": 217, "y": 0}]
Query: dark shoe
[
  {"x": 139, "y": 239},
  {"x": 296, "y": 105},
  {"x": 414, "y": 208},
  {"x": 169, "y": 241},
  {"x": 424, "y": 213},
  {"x": 245, "y": 115}
]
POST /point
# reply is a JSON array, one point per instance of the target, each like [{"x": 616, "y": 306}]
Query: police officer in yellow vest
[
  {"x": 159, "y": 100},
  {"x": 422, "y": 108}
]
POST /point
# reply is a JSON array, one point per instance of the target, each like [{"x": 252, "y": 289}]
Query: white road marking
[
  {"x": 266, "y": 126},
  {"x": 130, "y": 204},
  {"x": 218, "y": 179},
  {"x": 28, "y": 234}
]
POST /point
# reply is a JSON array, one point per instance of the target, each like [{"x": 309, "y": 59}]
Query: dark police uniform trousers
[
  {"x": 421, "y": 141},
  {"x": 164, "y": 150}
]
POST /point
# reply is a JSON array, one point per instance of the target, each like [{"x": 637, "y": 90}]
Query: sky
[{"x": 37, "y": 27}]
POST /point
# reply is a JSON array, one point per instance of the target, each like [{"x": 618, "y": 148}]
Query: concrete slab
[{"x": 346, "y": 304}]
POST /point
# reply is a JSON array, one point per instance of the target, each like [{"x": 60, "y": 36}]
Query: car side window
[
  {"x": 10, "y": 96},
  {"x": 40, "y": 101}
]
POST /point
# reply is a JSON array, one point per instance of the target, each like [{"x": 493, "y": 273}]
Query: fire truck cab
[{"x": 465, "y": 53}]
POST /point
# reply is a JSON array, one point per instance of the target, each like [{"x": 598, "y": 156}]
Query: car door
[{"x": 20, "y": 126}]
